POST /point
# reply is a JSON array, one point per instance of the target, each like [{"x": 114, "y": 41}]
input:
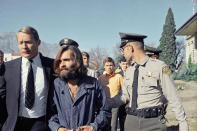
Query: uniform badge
[
  {"x": 166, "y": 70},
  {"x": 65, "y": 40},
  {"x": 149, "y": 74}
]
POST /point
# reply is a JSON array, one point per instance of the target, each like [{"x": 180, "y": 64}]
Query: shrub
[{"x": 186, "y": 73}]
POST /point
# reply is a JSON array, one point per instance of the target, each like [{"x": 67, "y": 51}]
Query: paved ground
[{"x": 188, "y": 94}]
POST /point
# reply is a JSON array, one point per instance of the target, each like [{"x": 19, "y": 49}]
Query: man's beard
[{"x": 70, "y": 73}]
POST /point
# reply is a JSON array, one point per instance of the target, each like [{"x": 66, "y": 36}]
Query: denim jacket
[{"x": 89, "y": 107}]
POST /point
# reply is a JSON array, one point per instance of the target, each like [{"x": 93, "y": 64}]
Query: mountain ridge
[{"x": 8, "y": 44}]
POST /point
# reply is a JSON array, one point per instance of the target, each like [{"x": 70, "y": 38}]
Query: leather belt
[{"x": 150, "y": 112}]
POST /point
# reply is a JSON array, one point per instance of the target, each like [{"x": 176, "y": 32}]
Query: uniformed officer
[
  {"x": 144, "y": 84},
  {"x": 152, "y": 52},
  {"x": 67, "y": 41}
]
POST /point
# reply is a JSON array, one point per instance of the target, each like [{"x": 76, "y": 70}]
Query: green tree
[
  {"x": 168, "y": 41},
  {"x": 190, "y": 64}
]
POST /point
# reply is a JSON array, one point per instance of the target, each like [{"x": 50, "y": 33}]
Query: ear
[
  {"x": 132, "y": 48},
  {"x": 39, "y": 42}
]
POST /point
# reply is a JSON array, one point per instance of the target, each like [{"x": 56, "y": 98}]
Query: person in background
[
  {"x": 123, "y": 64},
  {"x": 1, "y": 56},
  {"x": 86, "y": 60},
  {"x": 97, "y": 72},
  {"x": 24, "y": 86},
  {"x": 67, "y": 42},
  {"x": 1, "y": 102},
  {"x": 76, "y": 96},
  {"x": 144, "y": 84},
  {"x": 112, "y": 83},
  {"x": 1, "y": 62},
  {"x": 152, "y": 52}
]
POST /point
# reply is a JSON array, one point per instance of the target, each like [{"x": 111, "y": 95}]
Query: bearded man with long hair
[{"x": 76, "y": 96}]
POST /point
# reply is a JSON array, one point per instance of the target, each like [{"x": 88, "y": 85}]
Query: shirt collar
[
  {"x": 36, "y": 60},
  {"x": 144, "y": 60},
  {"x": 110, "y": 75}
]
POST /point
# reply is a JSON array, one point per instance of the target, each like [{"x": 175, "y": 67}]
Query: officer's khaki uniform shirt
[{"x": 153, "y": 81}]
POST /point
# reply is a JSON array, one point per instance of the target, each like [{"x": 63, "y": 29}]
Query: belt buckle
[
  {"x": 140, "y": 113},
  {"x": 132, "y": 112}
]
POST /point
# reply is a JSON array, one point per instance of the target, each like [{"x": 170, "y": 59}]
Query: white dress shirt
[{"x": 41, "y": 90}]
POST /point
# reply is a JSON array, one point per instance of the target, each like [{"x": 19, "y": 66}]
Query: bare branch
[{"x": 97, "y": 55}]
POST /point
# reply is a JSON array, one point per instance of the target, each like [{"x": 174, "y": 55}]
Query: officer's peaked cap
[
  {"x": 130, "y": 37},
  {"x": 67, "y": 42}
]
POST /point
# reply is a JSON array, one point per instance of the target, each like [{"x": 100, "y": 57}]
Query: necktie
[
  {"x": 30, "y": 88},
  {"x": 134, "y": 88}
]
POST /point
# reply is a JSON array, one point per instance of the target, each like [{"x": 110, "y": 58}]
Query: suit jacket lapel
[
  {"x": 46, "y": 69},
  {"x": 16, "y": 73}
]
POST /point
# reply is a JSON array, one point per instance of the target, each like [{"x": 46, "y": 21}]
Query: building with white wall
[
  {"x": 11, "y": 56},
  {"x": 189, "y": 31}
]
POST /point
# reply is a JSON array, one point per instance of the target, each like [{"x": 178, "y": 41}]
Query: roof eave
[{"x": 188, "y": 22}]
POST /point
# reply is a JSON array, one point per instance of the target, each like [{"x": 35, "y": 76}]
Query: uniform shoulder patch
[{"x": 166, "y": 70}]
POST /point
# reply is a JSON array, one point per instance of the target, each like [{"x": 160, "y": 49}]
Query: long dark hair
[{"x": 76, "y": 54}]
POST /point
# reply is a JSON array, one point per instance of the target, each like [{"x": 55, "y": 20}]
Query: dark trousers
[
  {"x": 112, "y": 124},
  {"x": 31, "y": 124},
  {"x": 135, "y": 123},
  {"x": 122, "y": 116}
]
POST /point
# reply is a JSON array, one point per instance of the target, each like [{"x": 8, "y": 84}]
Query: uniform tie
[
  {"x": 134, "y": 88},
  {"x": 30, "y": 88}
]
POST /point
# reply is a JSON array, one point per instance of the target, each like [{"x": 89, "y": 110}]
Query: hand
[
  {"x": 85, "y": 128},
  {"x": 64, "y": 129}
]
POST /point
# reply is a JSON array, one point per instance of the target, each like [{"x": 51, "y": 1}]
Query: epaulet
[
  {"x": 151, "y": 59},
  {"x": 157, "y": 61},
  {"x": 165, "y": 68}
]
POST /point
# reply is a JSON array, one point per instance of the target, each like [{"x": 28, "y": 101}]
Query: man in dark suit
[{"x": 24, "y": 86}]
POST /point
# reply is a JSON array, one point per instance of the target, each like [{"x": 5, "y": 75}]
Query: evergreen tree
[
  {"x": 168, "y": 41},
  {"x": 190, "y": 64}
]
